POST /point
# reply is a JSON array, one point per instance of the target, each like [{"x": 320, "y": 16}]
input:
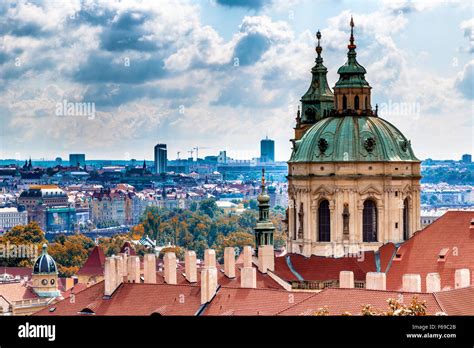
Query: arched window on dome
[
  {"x": 406, "y": 217},
  {"x": 356, "y": 102},
  {"x": 366, "y": 103},
  {"x": 324, "y": 222},
  {"x": 344, "y": 102},
  {"x": 369, "y": 221}
]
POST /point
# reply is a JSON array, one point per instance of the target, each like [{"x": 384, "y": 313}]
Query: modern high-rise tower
[
  {"x": 161, "y": 158},
  {"x": 267, "y": 150}
]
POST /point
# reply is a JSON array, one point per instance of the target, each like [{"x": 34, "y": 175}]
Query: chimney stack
[
  {"x": 149, "y": 268},
  {"x": 190, "y": 266},
  {"x": 124, "y": 257},
  {"x": 110, "y": 275},
  {"x": 346, "y": 279},
  {"x": 229, "y": 262},
  {"x": 411, "y": 283},
  {"x": 133, "y": 265},
  {"x": 120, "y": 267},
  {"x": 433, "y": 282},
  {"x": 462, "y": 278},
  {"x": 266, "y": 258},
  {"x": 248, "y": 274},
  {"x": 169, "y": 261},
  {"x": 210, "y": 258},
  {"x": 208, "y": 276},
  {"x": 376, "y": 281}
]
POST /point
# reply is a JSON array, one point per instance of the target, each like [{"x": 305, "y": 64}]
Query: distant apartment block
[{"x": 11, "y": 217}]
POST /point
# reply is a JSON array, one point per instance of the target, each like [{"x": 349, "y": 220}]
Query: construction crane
[
  {"x": 197, "y": 150},
  {"x": 191, "y": 152},
  {"x": 178, "y": 153}
]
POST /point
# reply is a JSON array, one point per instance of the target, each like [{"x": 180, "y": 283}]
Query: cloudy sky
[{"x": 223, "y": 74}]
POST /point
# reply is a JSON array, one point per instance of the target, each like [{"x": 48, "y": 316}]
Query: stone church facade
[{"x": 354, "y": 181}]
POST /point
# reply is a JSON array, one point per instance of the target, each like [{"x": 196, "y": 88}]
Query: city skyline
[{"x": 142, "y": 82}]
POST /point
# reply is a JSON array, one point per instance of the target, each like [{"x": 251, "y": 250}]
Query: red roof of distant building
[
  {"x": 16, "y": 291},
  {"x": 127, "y": 248},
  {"x": 420, "y": 254},
  {"x": 17, "y": 271},
  {"x": 94, "y": 264}
]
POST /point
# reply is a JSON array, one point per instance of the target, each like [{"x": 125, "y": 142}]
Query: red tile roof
[
  {"x": 94, "y": 264},
  {"x": 127, "y": 248},
  {"x": 320, "y": 268},
  {"x": 16, "y": 291},
  {"x": 386, "y": 254},
  {"x": 457, "y": 302},
  {"x": 264, "y": 281},
  {"x": 17, "y": 271},
  {"x": 419, "y": 254},
  {"x": 239, "y": 301},
  {"x": 131, "y": 299},
  {"x": 339, "y": 301}
]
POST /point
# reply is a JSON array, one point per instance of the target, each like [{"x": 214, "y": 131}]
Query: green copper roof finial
[
  {"x": 263, "y": 180},
  {"x": 351, "y": 45},
  {"x": 319, "y": 49}
]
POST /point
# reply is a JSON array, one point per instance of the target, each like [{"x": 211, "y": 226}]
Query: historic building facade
[{"x": 354, "y": 181}]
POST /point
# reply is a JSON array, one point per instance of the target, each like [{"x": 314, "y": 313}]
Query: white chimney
[
  {"x": 169, "y": 261},
  {"x": 210, "y": 258},
  {"x": 411, "y": 283},
  {"x": 190, "y": 266},
  {"x": 110, "y": 274},
  {"x": 133, "y": 265},
  {"x": 119, "y": 269},
  {"x": 248, "y": 274},
  {"x": 149, "y": 268},
  {"x": 229, "y": 262},
  {"x": 208, "y": 284},
  {"x": 376, "y": 281},
  {"x": 346, "y": 279},
  {"x": 266, "y": 258},
  {"x": 433, "y": 282},
  {"x": 462, "y": 278},
  {"x": 124, "y": 257}
]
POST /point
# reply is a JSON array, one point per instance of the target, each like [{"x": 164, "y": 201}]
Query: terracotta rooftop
[
  {"x": 16, "y": 291},
  {"x": 339, "y": 301},
  {"x": 239, "y": 301},
  {"x": 131, "y": 299},
  {"x": 323, "y": 268},
  {"x": 94, "y": 264},
  {"x": 457, "y": 302},
  {"x": 420, "y": 254}
]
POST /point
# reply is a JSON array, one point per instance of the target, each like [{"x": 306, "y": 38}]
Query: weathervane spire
[
  {"x": 319, "y": 49},
  {"x": 351, "y": 45}
]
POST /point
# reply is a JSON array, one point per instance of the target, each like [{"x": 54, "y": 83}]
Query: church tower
[
  {"x": 318, "y": 101},
  {"x": 45, "y": 275},
  {"x": 264, "y": 229},
  {"x": 353, "y": 179}
]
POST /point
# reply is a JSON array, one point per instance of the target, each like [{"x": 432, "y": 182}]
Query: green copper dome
[{"x": 352, "y": 139}]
